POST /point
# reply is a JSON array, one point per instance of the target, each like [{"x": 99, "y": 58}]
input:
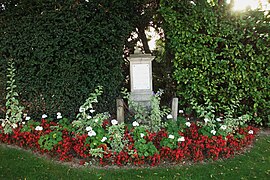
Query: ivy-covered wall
[
  {"x": 219, "y": 56},
  {"x": 63, "y": 50}
]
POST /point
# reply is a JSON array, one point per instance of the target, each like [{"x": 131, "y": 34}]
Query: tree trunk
[{"x": 143, "y": 37}]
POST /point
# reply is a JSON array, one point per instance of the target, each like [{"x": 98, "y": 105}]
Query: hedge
[
  {"x": 63, "y": 50},
  {"x": 220, "y": 56}
]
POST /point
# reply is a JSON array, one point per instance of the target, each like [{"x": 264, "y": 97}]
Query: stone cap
[{"x": 141, "y": 57}]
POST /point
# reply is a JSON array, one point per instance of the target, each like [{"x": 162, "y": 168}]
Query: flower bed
[
  {"x": 94, "y": 139},
  {"x": 109, "y": 143}
]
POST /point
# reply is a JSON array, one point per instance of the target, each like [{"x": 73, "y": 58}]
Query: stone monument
[{"x": 141, "y": 78}]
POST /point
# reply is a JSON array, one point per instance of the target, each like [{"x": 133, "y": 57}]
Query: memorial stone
[{"x": 141, "y": 78}]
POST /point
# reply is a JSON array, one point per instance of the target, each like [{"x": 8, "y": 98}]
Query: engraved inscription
[{"x": 141, "y": 76}]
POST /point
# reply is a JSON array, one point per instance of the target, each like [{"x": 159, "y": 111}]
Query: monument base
[{"x": 142, "y": 98}]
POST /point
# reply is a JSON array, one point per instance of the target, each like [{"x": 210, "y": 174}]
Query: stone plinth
[{"x": 141, "y": 78}]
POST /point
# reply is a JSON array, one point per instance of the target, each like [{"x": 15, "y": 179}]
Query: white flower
[
  {"x": 218, "y": 119},
  {"x": 114, "y": 122},
  {"x": 135, "y": 123},
  {"x": 92, "y": 133},
  {"x": 14, "y": 125},
  {"x": 181, "y": 139},
  {"x": 250, "y": 132},
  {"x": 3, "y": 124},
  {"x": 81, "y": 109},
  {"x": 39, "y": 128},
  {"x": 23, "y": 122},
  {"x": 206, "y": 120},
  {"x": 142, "y": 135},
  {"x": 188, "y": 124},
  {"x": 44, "y": 116},
  {"x": 171, "y": 136},
  {"x": 169, "y": 116},
  {"x": 103, "y": 139},
  {"x": 58, "y": 117},
  {"x": 58, "y": 114},
  {"x": 213, "y": 132},
  {"x": 27, "y": 118},
  {"x": 88, "y": 128},
  {"x": 223, "y": 127},
  {"x": 181, "y": 111},
  {"x": 89, "y": 117},
  {"x": 92, "y": 110}
]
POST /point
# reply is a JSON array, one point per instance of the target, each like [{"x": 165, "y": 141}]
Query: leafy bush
[
  {"x": 219, "y": 56},
  {"x": 2, "y": 93},
  {"x": 63, "y": 49},
  {"x": 152, "y": 118},
  {"x": 13, "y": 109},
  {"x": 48, "y": 141}
]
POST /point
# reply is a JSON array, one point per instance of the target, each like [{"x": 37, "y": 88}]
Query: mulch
[{"x": 264, "y": 131}]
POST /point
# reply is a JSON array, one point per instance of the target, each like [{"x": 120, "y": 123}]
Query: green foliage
[
  {"x": 48, "y": 141},
  {"x": 156, "y": 113},
  {"x": 64, "y": 124},
  {"x": 220, "y": 56},
  {"x": 95, "y": 140},
  {"x": 65, "y": 48},
  {"x": 116, "y": 134},
  {"x": 216, "y": 125},
  {"x": 94, "y": 122},
  {"x": 140, "y": 112},
  {"x": 13, "y": 109},
  {"x": 151, "y": 118},
  {"x": 2, "y": 90},
  {"x": 88, "y": 105},
  {"x": 173, "y": 128},
  {"x": 143, "y": 147},
  {"x": 87, "y": 118},
  {"x": 97, "y": 152},
  {"x": 29, "y": 125}
]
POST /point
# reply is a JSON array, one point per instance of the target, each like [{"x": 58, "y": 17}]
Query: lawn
[{"x": 254, "y": 164}]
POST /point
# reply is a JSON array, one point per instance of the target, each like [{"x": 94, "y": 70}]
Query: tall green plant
[
  {"x": 219, "y": 125},
  {"x": 13, "y": 109},
  {"x": 87, "y": 117},
  {"x": 152, "y": 117},
  {"x": 66, "y": 48},
  {"x": 220, "y": 56}
]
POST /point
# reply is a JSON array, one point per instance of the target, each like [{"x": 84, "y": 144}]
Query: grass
[{"x": 18, "y": 164}]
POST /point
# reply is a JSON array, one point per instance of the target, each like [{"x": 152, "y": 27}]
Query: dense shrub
[
  {"x": 63, "y": 50},
  {"x": 219, "y": 56}
]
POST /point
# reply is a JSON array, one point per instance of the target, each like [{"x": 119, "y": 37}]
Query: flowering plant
[
  {"x": 142, "y": 145},
  {"x": 95, "y": 140},
  {"x": 175, "y": 130},
  {"x": 118, "y": 144},
  {"x": 116, "y": 136},
  {"x": 14, "y": 110},
  {"x": 48, "y": 141},
  {"x": 224, "y": 125},
  {"x": 151, "y": 118}
]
